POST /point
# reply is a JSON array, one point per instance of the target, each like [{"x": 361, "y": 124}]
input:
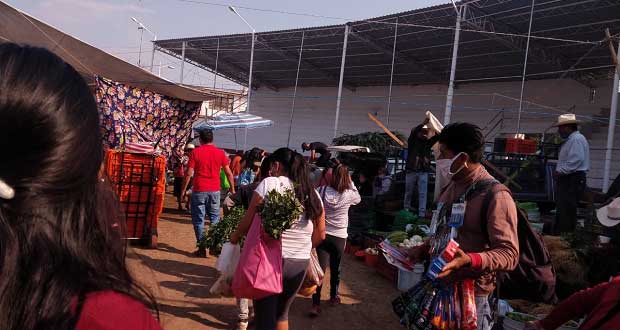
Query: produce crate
[
  {"x": 521, "y": 146},
  {"x": 140, "y": 183},
  {"x": 386, "y": 270}
]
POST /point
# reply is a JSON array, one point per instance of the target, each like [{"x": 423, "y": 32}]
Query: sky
[{"x": 107, "y": 24}]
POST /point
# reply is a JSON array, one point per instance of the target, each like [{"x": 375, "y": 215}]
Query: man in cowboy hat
[{"x": 570, "y": 173}]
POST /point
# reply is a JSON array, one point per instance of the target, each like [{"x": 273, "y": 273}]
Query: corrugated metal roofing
[{"x": 424, "y": 46}]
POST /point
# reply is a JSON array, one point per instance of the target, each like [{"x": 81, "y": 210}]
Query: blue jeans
[
  {"x": 483, "y": 311},
  {"x": 204, "y": 203},
  {"x": 421, "y": 178}
]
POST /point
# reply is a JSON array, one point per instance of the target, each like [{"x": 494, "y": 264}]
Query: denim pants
[
  {"x": 421, "y": 179},
  {"x": 484, "y": 313},
  {"x": 204, "y": 203}
]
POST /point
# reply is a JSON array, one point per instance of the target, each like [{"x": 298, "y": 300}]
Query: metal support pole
[
  {"x": 344, "y": 56},
  {"x": 217, "y": 57},
  {"x": 247, "y": 109},
  {"x": 392, "y": 74},
  {"x": 455, "y": 52},
  {"x": 140, "y": 51},
  {"x": 183, "y": 44},
  {"x": 527, "y": 50},
  {"x": 153, "y": 57},
  {"x": 290, "y": 125},
  {"x": 612, "y": 126}
]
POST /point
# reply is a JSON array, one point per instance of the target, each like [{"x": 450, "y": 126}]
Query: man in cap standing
[{"x": 570, "y": 173}]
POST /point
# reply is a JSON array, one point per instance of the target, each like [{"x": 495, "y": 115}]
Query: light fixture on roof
[{"x": 141, "y": 27}]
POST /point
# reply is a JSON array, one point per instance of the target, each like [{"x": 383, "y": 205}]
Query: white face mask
[{"x": 444, "y": 169}]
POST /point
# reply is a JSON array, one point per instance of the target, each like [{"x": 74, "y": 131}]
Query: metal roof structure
[{"x": 565, "y": 42}]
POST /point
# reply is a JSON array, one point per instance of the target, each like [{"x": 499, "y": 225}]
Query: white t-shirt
[{"x": 296, "y": 241}]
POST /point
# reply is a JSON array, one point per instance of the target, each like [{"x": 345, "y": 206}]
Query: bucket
[
  {"x": 371, "y": 260},
  {"x": 406, "y": 279}
]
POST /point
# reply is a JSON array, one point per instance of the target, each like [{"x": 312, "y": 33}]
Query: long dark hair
[
  {"x": 341, "y": 180},
  {"x": 297, "y": 170},
  {"x": 60, "y": 235}
]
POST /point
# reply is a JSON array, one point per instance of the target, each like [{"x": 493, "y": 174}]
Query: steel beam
[
  {"x": 257, "y": 81},
  {"x": 386, "y": 50},
  {"x": 293, "y": 57}
]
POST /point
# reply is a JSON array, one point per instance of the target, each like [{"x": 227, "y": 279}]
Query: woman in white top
[
  {"x": 288, "y": 171},
  {"x": 337, "y": 197}
]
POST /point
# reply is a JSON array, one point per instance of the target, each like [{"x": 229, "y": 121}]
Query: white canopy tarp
[{"x": 18, "y": 27}]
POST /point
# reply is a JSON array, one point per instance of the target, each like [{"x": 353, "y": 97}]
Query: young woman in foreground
[
  {"x": 62, "y": 260},
  {"x": 288, "y": 171}
]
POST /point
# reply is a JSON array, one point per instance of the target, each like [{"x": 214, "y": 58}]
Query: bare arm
[
  {"x": 318, "y": 233},
  {"x": 246, "y": 222},
  {"x": 230, "y": 177},
  {"x": 188, "y": 176}
]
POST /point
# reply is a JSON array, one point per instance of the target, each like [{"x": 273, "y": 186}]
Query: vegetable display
[
  {"x": 279, "y": 212},
  {"x": 219, "y": 233},
  {"x": 519, "y": 317},
  {"x": 377, "y": 142}
]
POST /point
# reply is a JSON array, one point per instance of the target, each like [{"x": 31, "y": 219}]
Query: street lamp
[
  {"x": 165, "y": 67},
  {"x": 141, "y": 27},
  {"x": 232, "y": 9}
]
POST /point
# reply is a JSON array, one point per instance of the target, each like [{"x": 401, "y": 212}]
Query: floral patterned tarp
[{"x": 130, "y": 114}]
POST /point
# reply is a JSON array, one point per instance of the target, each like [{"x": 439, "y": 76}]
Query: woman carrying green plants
[{"x": 289, "y": 172}]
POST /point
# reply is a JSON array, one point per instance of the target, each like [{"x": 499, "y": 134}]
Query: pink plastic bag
[{"x": 259, "y": 273}]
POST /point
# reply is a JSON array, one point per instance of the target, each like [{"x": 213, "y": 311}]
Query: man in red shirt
[{"x": 205, "y": 163}]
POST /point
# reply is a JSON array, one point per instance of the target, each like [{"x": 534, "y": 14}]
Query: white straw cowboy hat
[
  {"x": 567, "y": 119},
  {"x": 190, "y": 146},
  {"x": 609, "y": 215}
]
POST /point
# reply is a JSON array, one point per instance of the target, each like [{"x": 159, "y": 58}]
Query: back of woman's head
[
  {"x": 341, "y": 180},
  {"x": 297, "y": 170},
  {"x": 58, "y": 238}
]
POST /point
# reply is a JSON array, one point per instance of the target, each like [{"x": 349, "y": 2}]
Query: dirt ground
[{"x": 181, "y": 285}]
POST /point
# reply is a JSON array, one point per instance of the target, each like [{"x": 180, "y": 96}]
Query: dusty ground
[{"x": 181, "y": 285}]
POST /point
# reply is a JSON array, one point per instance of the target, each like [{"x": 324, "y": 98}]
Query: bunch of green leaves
[
  {"x": 220, "y": 232},
  {"x": 377, "y": 142},
  {"x": 279, "y": 212}
]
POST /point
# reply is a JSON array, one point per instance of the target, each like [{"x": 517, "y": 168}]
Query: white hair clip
[{"x": 6, "y": 191}]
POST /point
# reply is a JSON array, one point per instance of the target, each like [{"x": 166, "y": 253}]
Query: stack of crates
[
  {"x": 140, "y": 183},
  {"x": 521, "y": 146}
]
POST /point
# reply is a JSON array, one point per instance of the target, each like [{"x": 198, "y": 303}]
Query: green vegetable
[
  {"x": 220, "y": 232},
  {"x": 397, "y": 237},
  {"x": 524, "y": 318},
  {"x": 279, "y": 212}
]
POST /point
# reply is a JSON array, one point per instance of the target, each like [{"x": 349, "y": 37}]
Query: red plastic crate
[
  {"x": 521, "y": 146},
  {"x": 139, "y": 180}
]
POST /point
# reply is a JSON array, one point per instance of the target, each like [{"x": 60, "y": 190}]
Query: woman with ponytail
[
  {"x": 337, "y": 197},
  {"x": 289, "y": 171}
]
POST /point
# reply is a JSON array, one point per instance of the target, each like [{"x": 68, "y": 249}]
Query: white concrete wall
[{"x": 477, "y": 103}]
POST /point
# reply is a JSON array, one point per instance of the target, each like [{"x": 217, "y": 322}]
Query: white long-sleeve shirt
[
  {"x": 337, "y": 209},
  {"x": 574, "y": 155}
]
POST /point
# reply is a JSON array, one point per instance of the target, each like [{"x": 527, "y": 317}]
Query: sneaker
[
  {"x": 315, "y": 311},
  {"x": 242, "y": 325},
  {"x": 335, "y": 301},
  {"x": 200, "y": 253}
]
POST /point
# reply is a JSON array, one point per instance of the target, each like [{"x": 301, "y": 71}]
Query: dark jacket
[{"x": 419, "y": 151}]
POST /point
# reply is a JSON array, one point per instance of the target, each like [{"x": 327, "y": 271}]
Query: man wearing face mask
[
  {"x": 482, "y": 252},
  {"x": 418, "y": 165},
  {"x": 570, "y": 173}
]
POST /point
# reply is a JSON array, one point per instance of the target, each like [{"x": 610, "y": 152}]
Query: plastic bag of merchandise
[
  {"x": 226, "y": 264},
  {"x": 314, "y": 276}
]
